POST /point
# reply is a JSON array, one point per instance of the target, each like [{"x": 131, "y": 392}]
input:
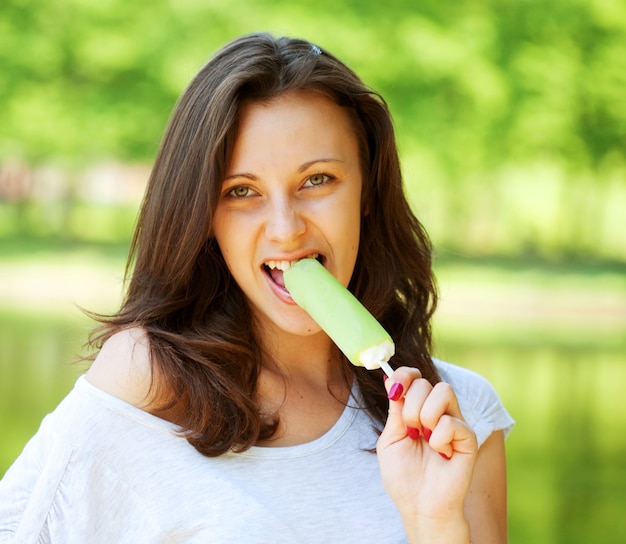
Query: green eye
[
  {"x": 241, "y": 191},
  {"x": 318, "y": 179}
]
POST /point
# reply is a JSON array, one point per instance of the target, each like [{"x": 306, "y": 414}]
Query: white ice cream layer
[{"x": 371, "y": 358}]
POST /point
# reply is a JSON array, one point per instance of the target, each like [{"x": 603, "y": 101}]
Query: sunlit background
[{"x": 511, "y": 120}]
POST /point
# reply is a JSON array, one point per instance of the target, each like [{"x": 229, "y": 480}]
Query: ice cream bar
[{"x": 337, "y": 311}]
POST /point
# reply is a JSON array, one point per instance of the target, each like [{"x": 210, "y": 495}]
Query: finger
[
  {"x": 400, "y": 382},
  {"x": 452, "y": 435},
  {"x": 414, "y": 401},
  {"x": 443, "y": 424},
  {"x": 441, "y": 400},
  {"x": 401, "y": 379}
]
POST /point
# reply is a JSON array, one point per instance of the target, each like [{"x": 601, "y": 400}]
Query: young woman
[{"x": 216, "y": 409}]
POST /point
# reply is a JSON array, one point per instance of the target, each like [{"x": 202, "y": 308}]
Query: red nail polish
[
  {"x": 396, "y": 391},
  {"x": 427, "y": 433},
  {"x": 413, "y": 433},
  {"x": 444, "y": 456}
]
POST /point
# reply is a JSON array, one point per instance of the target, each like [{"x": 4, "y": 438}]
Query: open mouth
[{"x": 275, "y": 269}]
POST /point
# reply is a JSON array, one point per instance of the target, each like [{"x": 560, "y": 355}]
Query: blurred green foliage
[{"x": 511, "y": 114}]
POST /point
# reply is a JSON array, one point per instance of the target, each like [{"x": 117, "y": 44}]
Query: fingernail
[
  {"x": 427, "y": 433},
  {"x": 396, "y": 391},
  {"x": 444, "y": 456},
  {"x": 413, "y": 433}
]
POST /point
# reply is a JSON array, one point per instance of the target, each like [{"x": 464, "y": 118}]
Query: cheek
[
  {"x": 348, "y": 232},
  {"x": 236, "y": 247},
  {"x": 228, "y": 248},
  {"x": 225, "y": 232}
]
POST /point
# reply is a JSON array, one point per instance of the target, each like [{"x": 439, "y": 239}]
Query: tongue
[{"x": 277, "y": 276}]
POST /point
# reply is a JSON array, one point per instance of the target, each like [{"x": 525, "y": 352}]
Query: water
[
  {"x": 36, "y": 371},
  {"x": 566, "y": 455}
]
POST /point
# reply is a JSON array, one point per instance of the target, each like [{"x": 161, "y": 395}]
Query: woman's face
[{"x": 292, "y": 190}]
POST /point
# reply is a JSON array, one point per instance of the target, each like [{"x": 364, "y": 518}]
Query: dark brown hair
[{"x": 205, "y": 357}]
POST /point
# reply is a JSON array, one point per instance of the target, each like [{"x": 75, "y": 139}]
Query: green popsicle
[{"x": 337, "y": 311}]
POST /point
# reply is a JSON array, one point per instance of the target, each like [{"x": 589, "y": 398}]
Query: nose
[{"x": 285, "y": 222}]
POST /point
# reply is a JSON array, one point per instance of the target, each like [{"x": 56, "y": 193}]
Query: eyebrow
[
  {"x": 308, "y": 164},
  {"x": 303, "y": 168}
]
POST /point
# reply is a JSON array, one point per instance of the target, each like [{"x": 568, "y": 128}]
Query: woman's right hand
[{"x": 426, "y": 454}]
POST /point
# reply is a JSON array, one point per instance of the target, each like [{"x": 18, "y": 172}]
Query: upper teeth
[{"x": 286, "y": 265}]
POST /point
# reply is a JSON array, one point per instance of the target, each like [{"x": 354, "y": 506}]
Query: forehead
[{"x": 298, "y": 124}]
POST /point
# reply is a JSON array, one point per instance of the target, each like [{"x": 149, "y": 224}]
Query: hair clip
[{"x": 315, "y": 50}]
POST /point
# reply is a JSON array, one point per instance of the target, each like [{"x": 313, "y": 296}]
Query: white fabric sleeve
[
  {"x": 54, "y": 494},
  {"x": 479, "y": 402}
]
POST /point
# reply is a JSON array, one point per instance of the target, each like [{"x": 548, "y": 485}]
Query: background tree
[{"x": 510, "y": 114}]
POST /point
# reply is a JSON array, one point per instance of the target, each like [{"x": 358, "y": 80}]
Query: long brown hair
[{"x": 205, "y": 357}]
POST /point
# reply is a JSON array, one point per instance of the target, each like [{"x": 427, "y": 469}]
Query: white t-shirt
[{"x": 101, "y": 471}]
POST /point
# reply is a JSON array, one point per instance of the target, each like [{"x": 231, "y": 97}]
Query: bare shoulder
[{"x": 122, "y": 367}]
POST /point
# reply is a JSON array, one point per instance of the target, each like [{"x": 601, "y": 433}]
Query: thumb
[{"x": 395, "y": 428}]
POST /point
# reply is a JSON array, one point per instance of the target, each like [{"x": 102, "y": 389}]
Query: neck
[
  {"x": 302, "y": 381},
  {"x": 311, "y": 358}
]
